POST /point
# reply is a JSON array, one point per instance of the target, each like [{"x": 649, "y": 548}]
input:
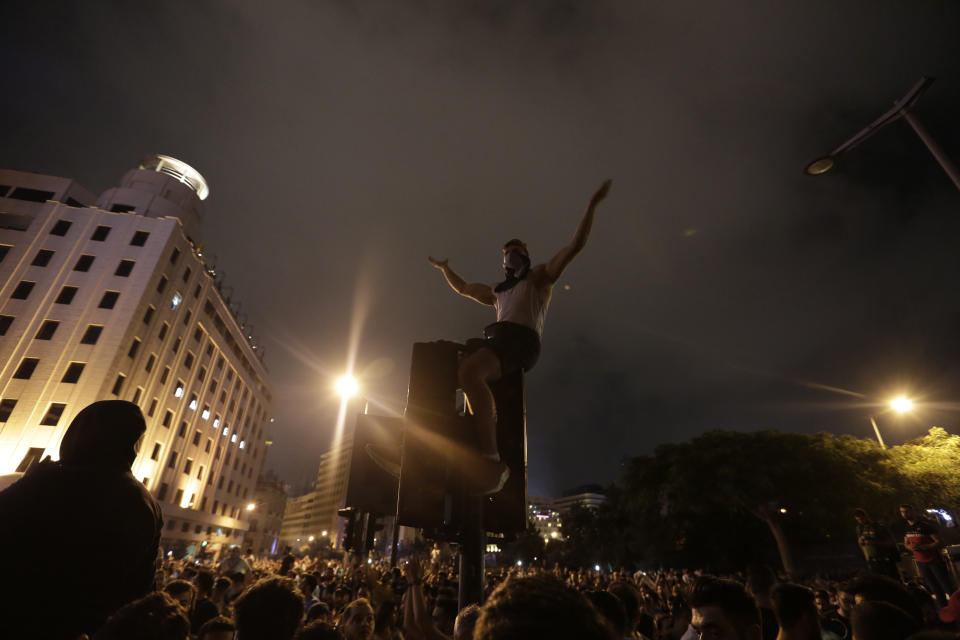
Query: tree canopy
[{"x": 725, "y": 499}]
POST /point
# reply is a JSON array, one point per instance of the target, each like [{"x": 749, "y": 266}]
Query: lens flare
[
  {"x": 901, "y": 404},
  {"x": 347, "y": 386}
]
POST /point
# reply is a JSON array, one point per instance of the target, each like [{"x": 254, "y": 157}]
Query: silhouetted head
[
  {"x": 104, "y": 435},
  {"x": 271, "y": 609},
  {"x": 466, "y": 621},
  {"x": 908, "y": 513},
  {"x": 154, "y": 616},
  {"x": 882, "y": 621},
  {"x": 795, "y": 608},
  {"x": 539, "y": 607},
  {"x": 516, "y": 258},
  {"x": 722, "y": 609}
]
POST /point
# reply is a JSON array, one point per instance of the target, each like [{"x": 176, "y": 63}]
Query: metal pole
[
  {"x": 472, "y": 546},
  {"x": 395, "y": 543},
  {"x": 934, "y": 148},
  {"x": 876, "y": 430}
]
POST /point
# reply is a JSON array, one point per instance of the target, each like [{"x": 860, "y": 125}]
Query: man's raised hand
[
  {"x": 601, "y": 193},
  {"x": 439, "y": 264}
]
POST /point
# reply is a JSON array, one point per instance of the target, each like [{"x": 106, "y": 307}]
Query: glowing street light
[
  {"x": 251, "y": 506},
  {"x": 347, "y": 386},
  {"x": 323, "y": 533},
  {"x": 310, "y": 539},
  {"x": 901, "y": 404}
]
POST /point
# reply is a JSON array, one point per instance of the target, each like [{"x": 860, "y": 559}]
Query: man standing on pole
[{"x": 511, "y": 343}]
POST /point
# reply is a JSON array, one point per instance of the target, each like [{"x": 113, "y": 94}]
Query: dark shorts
[{"x": 516, "y": 346}]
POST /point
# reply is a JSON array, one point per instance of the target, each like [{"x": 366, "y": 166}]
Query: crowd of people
[
  {"x": 63, "y": 584},
  {"x": 248, "y": 598}
]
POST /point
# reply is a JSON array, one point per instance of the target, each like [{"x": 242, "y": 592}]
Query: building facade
[
  {"x": 110, "y": 298},
  {"x": 545, "y": 519},
  {"x": 265, "y": 515},
  {"x": 314, "y": 514},
  {"x": 589, "y": 496}
]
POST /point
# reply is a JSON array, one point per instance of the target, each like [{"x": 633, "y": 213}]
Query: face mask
[
  {"x": 515, "y": 266},
  {"x": 515, "y": 262}
]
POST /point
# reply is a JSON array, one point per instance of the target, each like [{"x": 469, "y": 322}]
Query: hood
[{"x": 104, "y": 435}]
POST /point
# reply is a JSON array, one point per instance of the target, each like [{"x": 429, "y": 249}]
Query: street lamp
[
  {"x": 901, "y": 109},
  {"x": 900, "y": 404},
  {"x": 251, "y": 506},
  {"x": 347, "y": 386}
]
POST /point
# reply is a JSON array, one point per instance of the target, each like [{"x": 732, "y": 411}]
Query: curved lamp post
[{"x": 901, "y": 109}]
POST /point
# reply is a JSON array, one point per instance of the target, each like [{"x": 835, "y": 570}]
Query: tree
[
  {"x": 730, "y": 479},
  {"x": 527, "y": 547},
  {"x": 930, "y": 466}
]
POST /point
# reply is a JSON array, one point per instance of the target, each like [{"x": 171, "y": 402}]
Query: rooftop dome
[{"x": 179, "y": 170}]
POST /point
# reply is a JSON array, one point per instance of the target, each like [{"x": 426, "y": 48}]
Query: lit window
[
  {"x": 242, "y": 443},
  {"x": 205, "y": 414},
  {"x": 216, "y": 422},
  {"x": 233, "y": 438},
  {"x": 226, "y": 431},
  {"x": 176, "y": 300},
  {"x": 178, "y": 391},
  {"x": 193, "y": 403}
]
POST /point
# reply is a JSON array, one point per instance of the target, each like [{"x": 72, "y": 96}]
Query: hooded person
[{"x": 79, "y": 535}]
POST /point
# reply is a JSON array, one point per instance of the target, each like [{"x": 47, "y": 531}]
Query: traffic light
[
  {"x": 428, "y": 435},
  {"x": 374, "y": 523},
  {"x": 353, "y": 531},
  {"x": 437, "y": 442},
  {"x": 370, "y": 487}
]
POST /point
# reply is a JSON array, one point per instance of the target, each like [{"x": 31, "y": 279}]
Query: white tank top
[{"x": 523, "y": 304}]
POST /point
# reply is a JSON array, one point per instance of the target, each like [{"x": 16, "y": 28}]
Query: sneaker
[{"x": 383, "y": 460}]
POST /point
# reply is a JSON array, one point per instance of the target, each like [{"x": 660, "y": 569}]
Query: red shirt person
[{"x": 921, "y": 538}]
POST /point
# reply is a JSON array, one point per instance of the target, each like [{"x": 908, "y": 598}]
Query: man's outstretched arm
[
  {"x": 566, "y": 255},
  {"x": 482, "y": 293}
]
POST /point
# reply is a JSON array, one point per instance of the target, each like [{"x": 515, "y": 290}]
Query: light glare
[
  {"x": 901, "y": 404},
  {"x": 347, "y": 386}
]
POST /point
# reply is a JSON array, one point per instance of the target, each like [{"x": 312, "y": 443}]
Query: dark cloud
[{"x": 344, "y": 142}]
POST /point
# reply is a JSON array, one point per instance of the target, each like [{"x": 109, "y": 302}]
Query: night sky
[{"x": 345, "y": 142}]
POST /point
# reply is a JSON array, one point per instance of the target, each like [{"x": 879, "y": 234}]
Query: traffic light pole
[{"x": 473, "y": 540}]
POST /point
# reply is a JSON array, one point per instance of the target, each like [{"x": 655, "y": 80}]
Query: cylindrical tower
[{"x": 161, "y": 187}]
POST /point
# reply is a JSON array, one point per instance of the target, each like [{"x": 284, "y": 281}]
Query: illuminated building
[
  {"x": 266, "y": 516},
  {"x": 547, "y": 514},
  {"x": 110, "y": 297},
  {"x": 588, "y": 496},
  {"x": 545, "y": 519},
  {"x": 316, "y": 511}
]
